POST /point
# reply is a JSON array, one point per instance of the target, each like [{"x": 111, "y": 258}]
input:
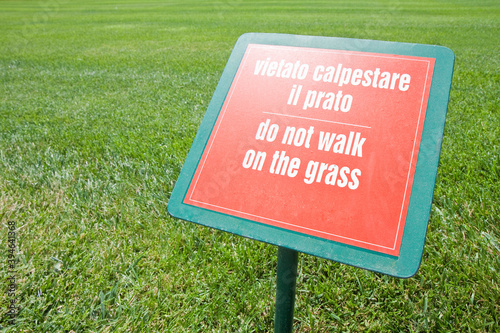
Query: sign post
[
  {"x": 327, "y": 146},
  {"x": 285, "y": 289}
]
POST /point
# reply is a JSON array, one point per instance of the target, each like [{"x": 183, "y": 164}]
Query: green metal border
[{"x": 412, "y": 246}]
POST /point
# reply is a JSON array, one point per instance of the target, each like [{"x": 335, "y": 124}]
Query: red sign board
[{"x": 318, "y": 141}]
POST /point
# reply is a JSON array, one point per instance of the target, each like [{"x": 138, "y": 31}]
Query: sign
[{"x": 326, "y": 146}]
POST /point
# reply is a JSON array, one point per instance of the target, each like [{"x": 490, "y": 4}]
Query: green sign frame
[{"x": 412, "y": 245}]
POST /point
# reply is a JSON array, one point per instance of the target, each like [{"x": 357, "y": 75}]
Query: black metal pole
[{"x": 285, "y": 290}]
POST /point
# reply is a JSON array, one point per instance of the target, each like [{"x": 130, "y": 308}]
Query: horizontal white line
[{"x": 322, "y": 120}]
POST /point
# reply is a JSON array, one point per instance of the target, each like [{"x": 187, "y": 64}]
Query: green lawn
[{"x": 99, "y": 104}]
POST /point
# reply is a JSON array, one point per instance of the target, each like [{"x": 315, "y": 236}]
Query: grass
[{"x": 99, "y": 104}]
